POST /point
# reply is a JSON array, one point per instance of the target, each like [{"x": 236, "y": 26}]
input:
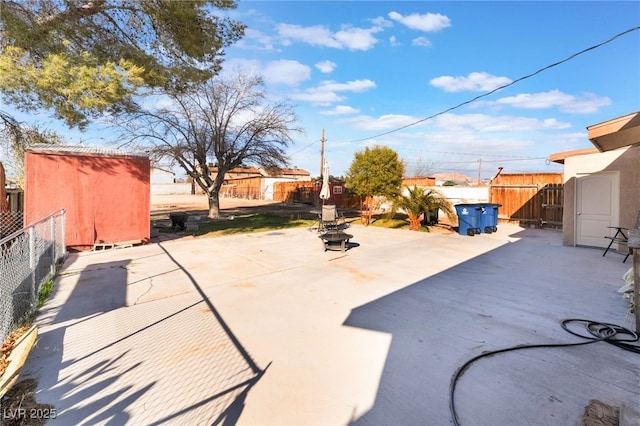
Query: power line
[
  {"x": 304, "y": 147},
  {"x": 501, "y": 87}
]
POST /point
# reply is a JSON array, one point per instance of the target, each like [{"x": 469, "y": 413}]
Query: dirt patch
[
  {"x": 598, "y": 413},
  {"x": 19, "y": 406}
]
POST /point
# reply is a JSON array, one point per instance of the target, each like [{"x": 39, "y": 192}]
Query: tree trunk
[
  {"x": 366, "y": 210},
  {"x": 4, "y": 206},
  {"x": 214, "y": 205},
  {"x": 414, "y": 222}
]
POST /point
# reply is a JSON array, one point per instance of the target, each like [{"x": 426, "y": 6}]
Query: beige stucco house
[{"x": 602, "y": 184}]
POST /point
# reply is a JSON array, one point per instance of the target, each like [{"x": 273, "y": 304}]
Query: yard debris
[
  {"x": 597, "y": 413},
  {"x": 627, "y": 289}
]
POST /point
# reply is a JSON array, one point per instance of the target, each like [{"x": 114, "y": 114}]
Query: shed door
[{"x": 597, "y": 207}]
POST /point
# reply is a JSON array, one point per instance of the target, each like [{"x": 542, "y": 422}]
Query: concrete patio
[{"x": 266, "y": 329}]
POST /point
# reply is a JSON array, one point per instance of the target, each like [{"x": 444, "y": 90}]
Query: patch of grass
[
  {"x": 45, "y": 291},
  {"x": 394, "y": 223},
  {"x": 258, "y": 222},
  {"x": 385, "y": 222}
]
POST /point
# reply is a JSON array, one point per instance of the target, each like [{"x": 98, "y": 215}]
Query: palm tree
[{"x": 418, "y": 201}]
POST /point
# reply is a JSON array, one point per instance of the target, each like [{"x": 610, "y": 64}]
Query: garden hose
[{"x": 598, "y": 332}]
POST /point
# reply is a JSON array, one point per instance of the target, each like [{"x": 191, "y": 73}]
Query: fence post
[
  {"x": 52, "y": 235},
  {"x": 32, "y": 262},
  {"x": 63, "y": 235}
]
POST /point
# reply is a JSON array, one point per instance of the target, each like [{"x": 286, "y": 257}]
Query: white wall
[
  {"x": 161, "y": 176},
  {"x": 459, "y": 194},
  {"x": 464, "y": 194},
  {"x": 171, "y": 188},
  {"x": 267, "y": 185},
  {"x": 590, "y": 163}
]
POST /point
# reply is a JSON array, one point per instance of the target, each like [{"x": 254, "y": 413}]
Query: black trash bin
[
  {"x": 178, "y": 220},
  {"x": 430, "y": 217}
]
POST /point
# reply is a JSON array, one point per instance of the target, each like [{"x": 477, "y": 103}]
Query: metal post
[
  {"x": 32, "y": 262},
  {"x": 52, "y": 238},
  {"x": 63, "y": 235}
]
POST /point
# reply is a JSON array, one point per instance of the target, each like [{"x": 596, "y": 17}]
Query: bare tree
[
  {"x": 227, "y": 121},
  {"x": 16, "y": 137},
  {"x": 419, "y": 167}
]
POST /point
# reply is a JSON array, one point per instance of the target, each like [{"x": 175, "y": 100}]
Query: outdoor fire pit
[{"x": 335, "y": 240}]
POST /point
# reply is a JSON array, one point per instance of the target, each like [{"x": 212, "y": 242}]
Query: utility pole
[
  {"x": 479, "y": 169},
  {"x": 322, "y": 154}
]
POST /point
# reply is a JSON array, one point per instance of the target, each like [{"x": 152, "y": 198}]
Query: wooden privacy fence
[
  {"x": 529, "y": 199},
  {"x": 247, "y": 188},
  {"x": 308, "y": 192}
]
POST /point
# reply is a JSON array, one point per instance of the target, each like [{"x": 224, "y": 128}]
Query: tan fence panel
[{"x": 530, "y": 199}]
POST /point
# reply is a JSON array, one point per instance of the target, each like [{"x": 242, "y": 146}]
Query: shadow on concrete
[
  {"x": 110, "y": 286},
  {"x": 514, "y": 295},
  {"x": 101, "y": 289},
  {"x": 126, "y": 368},
  {"x": 237, "y": 390}
]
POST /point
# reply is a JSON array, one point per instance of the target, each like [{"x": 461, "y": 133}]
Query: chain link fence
[
  {"x": 28, "y": 258},
  {"x": 10, "y": 222}
]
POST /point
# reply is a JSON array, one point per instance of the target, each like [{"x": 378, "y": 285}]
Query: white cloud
[
  {"x": 249, "y": 66},
  {"x": 255, "y": 40},
  {"x": 350, "y": 86},
  {"x": 317, "y": 97},
  {"x": 340, "y": 110},
  {"x": 393, "y": 41},
  {"x": 421, "y": 41},
  {"x": 326, "y": 93},
  {"x": 428, "y": 22},
  {"x": 586, "y": 103},
  {"x": 475, "y": 81},
  {"x": 287, "y": 72},
  {"x": 382, "y": 22},
  {"x": 326, "y": 66},
  {"x": 497, "y": 123},
  {"x": 317, "y": 35},
  {"x": 384, "y": 122}
]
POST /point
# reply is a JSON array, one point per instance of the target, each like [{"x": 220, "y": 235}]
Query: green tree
[
  {"x": 227, "y": 121},
  {"x": 418, "y": 201},
  {"x": 375, "y": 171},
  {"x": 83, "y": 58}
]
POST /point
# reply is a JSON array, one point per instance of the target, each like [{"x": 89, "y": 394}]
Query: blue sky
[{"x": 363, "y": 70}]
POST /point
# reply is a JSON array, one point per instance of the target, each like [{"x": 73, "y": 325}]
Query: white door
[{"x": 597, "y": 207}]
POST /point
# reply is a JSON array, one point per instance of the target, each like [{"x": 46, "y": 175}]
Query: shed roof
[{"x": 80, "y": 150}]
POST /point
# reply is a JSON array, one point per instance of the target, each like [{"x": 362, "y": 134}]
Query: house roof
[
  {"x": 249, "y": 169},
  {"x": 453, "y": 176},
  {"x": 80, "y": 150},
  {"x": 559, "y": 157},
  {"x": 299, "y": 172},
  {"x": 616, "y": 133}
]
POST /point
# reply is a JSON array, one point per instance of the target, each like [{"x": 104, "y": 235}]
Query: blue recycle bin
[
  {"x": 488, "y": 219},
  {"x": 468, "y": 219}
]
